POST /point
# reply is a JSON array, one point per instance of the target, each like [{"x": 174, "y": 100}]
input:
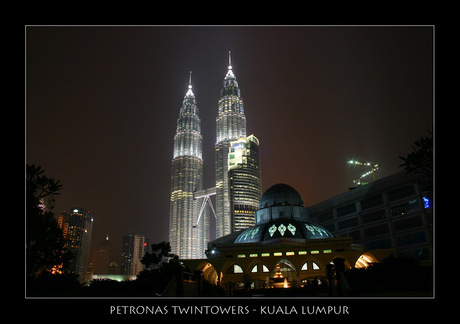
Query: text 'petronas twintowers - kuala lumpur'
[{"x": 238, "y": 180}]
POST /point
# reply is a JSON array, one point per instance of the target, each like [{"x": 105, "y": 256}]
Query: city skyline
[{"x": 101, "y": 105}]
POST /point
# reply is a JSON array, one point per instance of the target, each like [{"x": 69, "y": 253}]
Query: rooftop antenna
[
  {"x": 229, "y": 60},
  {"x": 190, "y": 80}
]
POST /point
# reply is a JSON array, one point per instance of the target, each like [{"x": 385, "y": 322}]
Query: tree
[
  {"x": 161, "y": 267},
  {"x": 45, "y": 243},
  {"x": 160, "y": 256},
  {"x": 420, "y": 160}
]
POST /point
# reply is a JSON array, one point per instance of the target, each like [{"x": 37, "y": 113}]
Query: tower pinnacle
[
  {"x": 229, "y": 60},
  {"x": 189, "y": 91}
]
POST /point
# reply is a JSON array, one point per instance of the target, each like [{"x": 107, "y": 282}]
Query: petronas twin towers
[{"x": 238, "y": 181}]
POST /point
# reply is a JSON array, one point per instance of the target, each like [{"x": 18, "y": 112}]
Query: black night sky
[{"x": 102, "y": 105}]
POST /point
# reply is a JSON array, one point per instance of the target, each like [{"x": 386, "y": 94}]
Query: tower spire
[
  {"x": 189, "y": 91},
  {"x": 229, "y": 60}
]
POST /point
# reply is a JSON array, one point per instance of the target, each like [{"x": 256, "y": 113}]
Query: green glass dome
[
  {"x": 282, "y": 214},
  {"x": 288, "y": 228}
]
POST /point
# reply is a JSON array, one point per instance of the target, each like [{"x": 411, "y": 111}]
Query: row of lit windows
[
  {"x": 244, "y": 212},
  {"x": 289, "y": 253},
  {"x": 235, "y": 269}
]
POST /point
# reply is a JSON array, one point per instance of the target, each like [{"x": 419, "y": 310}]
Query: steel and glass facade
[
  {"x": 244, "y": 181},
  {"x": 187, "y": 236},
  {"x": 230, "y": 126}
]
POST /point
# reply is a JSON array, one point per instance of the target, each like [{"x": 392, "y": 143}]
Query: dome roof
[
  {"x": 283, "y": 227},
  {"x": 282, "y": 214},
  {"x": 280, "y": 194}
]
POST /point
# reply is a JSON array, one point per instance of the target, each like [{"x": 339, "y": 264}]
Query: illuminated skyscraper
[
  {"x": 127, "y": 254},
  {"x": 76, "y": 227},
  {"x": 132, "y": 252},
  {"x": 188, "y": 237},
  {"x": 230, "y": 126},
  {"x": 138, "y": 254},
  {"x": 244, "y": 180}
]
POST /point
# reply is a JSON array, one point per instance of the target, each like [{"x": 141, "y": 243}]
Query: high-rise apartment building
[
  {"x": 133, "y": 250},
  {"x": 230, "y": 126},
  {"x": 76, "y": 227},
  {"x": 188, "y": 235},
  {"x": 244, "y": 181},
  {"x": 139, "y": 251},
  {"x": 127, "y": 254}
]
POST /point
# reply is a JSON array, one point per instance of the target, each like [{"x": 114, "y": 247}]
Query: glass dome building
[
  {"x": 283, "y": 249},
  {"x": 282, "y": 214}
]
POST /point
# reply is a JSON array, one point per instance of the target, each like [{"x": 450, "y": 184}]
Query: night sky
[{"x": 102, "y": 105}]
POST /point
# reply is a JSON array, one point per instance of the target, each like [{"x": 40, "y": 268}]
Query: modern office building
[
  {"x": 244, "y": 181},
  {"x": 139, "y": 252},
  {"x": 392, "y": 212},
  {"x": 133, "y": 250},
  {"x": 127, "y": 254},
  {"x": 188, "y": 235},
  {"x": 230, "y": 126},
  {"x": 77, "y": 226}
]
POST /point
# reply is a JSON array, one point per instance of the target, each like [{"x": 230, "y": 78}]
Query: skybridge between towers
[{"x": 206, "y": 194}]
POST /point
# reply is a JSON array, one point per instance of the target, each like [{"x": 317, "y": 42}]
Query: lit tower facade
[
  {"x": 245, "y": 182},
  {"x": 230, "y": 126},
  {"x": 187, "y": 236}
]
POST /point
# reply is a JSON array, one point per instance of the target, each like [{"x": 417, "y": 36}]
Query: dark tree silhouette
[
  {"x": 45, "y": 244},
  {"x": 160, "y": 267},
  {"x": 160, "y": 254},
  {"x": 420, "y": 160}
]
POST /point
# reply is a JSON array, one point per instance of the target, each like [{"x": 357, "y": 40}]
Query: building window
[
  {"x": 254, "y": 269},
  {"x": 326, "y": 216},
  {"x": 374, "y": 216},
  {"x": 346, "y": 210},
  {"x": 264, "y": 268},
  {"x": 352, "y": 222},
  {"x": 315, "y": 266},
  {"x": 409, "y": 239},
  {"x": 401, "y": 192},
  {"x": 408, "y": 223},
  {"x": 234, "y": 269},
  {"x": 370, "y": 202},
  {"x": 376, "y": 230},
  {"x": 404, "y": 208},
  {"x": 305, "y": 266}
]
